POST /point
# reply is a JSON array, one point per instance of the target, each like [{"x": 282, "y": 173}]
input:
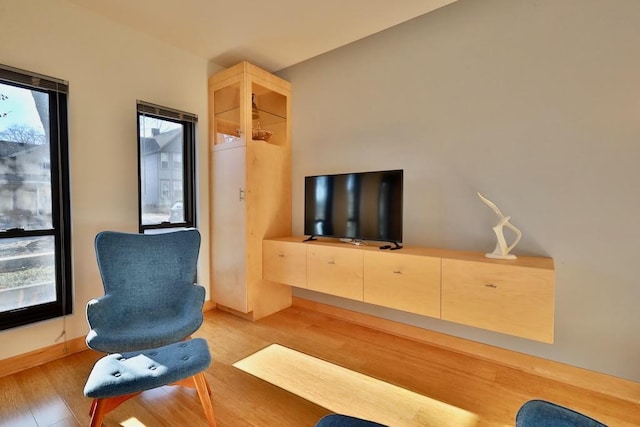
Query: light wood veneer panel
[
  {"x": 285, "y": 262},
  {"x": 336, "y": 271},
  {"x": 229, "y": 242},
  {"x": 404, "y": 282},
  {"x": 514, "y": 297},
  {"x": 250, "y": 191},
  {"x": 504, "y": 298}
]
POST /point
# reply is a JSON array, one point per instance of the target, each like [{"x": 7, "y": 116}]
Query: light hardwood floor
[{"x": 51, "y": 394}]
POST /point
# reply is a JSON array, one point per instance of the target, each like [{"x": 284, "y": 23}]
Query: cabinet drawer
[
  {"x": 284, "y": 262},
  {"x": 335, "y": 271},
  {"x": 405, "y": 282},
  {"x": 511, "y": 299}
]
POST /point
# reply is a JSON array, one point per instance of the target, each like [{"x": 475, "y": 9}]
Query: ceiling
[{"x": 272, "y": 34}]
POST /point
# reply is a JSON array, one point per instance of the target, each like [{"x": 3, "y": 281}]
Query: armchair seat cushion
[
  {"x": 133, "y": 372},
  {"x": 142, "y": 330}
]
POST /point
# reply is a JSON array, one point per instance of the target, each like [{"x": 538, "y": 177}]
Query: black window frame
[
  {"x": 57, "y": 90},
  {"x": 189, "y": 125}
]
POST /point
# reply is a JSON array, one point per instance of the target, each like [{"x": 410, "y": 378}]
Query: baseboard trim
[
  {"x": 208, "y": 305},
  {"x": 41, "y": 356},
  {"x": 237, "y": 313},
  {"x": 597, "y": 382}
]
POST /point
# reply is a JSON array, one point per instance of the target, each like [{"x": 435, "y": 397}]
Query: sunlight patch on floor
[
  {"x": 132, "y": 422},
  {"x": 344, "y": 391}
]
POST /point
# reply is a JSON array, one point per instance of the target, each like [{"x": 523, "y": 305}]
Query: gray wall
[{"x": 536, "y": 104}]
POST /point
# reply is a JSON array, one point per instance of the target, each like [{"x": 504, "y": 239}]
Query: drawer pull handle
[
  {"x": 397, "y": 272},
  {"x": 490, "y": 285},
  {"x": 331, "y": 261},
  {"x": 281, "y": 255}
]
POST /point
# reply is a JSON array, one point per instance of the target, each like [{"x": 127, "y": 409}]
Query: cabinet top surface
[
  {"x": 255, "y": 72},
  {"x": 521, "y": 261}
]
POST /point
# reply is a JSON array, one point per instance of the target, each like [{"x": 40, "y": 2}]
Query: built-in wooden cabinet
[
  {"x": 284, "y": 262},
  {"x": 229, "y": 242},
  {"x": 404, "y": 282},
  {"x": 514, "y": 297},
  {"x": 250, "y": 172},
  {"x": 335, "y": 270}
]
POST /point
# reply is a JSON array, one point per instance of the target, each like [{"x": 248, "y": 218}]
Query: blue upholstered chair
[
  {"x": 150, "y": 297},
  {"x": 534, "y": 413},
  {"x": 539, "y": 413},
  {"x": 339, "y": 420}
]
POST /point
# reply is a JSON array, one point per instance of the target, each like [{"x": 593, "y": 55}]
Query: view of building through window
[
  {"x": 161, "y": 170},
  {"x": 27, "y": 264}
]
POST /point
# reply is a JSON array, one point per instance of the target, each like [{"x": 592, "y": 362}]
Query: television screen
[{"x": 362, "y": 206}]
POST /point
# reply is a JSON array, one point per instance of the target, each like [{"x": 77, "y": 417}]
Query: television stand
[
  {"x": 310, "y": 238},
  {"x": 355, "y": 242},
  {"x": 464, "y": 287},
  {"x": 395, "y": 246}
]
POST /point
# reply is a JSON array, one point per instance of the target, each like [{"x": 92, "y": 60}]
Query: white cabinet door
[{"x": 229, "y": 228}]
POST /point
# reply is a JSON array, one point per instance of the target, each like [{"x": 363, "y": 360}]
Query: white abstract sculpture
[{"x": 502, "y": 249}]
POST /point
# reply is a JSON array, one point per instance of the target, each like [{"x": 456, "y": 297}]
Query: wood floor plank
[
  {"x": 68, "y": 376},
  {"x": 244, "y": 400},
  {"x": 349, "y": 392},
  {"x": 67, "y": 422},
  {"x": 494, "y": 392},
  {"x": 14, "y": 409},
  {"x": 173, "y": 401},
  {"x": 46, "y": 406}
]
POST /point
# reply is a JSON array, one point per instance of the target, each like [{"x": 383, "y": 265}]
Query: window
[
  {"x": 164, "y": 160},
  {"x": 35, "y": 237},
  {"x": 177, "y": 161},
  {"x": 166, "y": 167}
]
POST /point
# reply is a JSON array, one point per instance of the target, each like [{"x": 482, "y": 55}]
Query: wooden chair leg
[
  {"x": 101, "y": 407},
  {"x": 97, "y": 412},
  {"x": 204, "y": 393},
  {"x": 189, "y": 383}
]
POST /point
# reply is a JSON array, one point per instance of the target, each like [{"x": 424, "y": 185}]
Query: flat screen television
[{"x": 359, "y": 206}]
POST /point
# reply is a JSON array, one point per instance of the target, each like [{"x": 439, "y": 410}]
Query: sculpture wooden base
[{"x": 500, "y": 256}]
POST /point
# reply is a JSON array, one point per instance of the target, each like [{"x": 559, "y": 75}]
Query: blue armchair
[
  {"x": 339, "y": 420},
  {"x": 540, "y": 413},
  {"x": 150, "y": 297}
]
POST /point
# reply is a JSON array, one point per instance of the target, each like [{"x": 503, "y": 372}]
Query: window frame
[
  {"x": 189, "y": 126},
  {"x": 59, "y": 164}
]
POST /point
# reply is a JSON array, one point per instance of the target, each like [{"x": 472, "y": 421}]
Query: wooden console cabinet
[
  {"x": 514, "y": 297},
  {"x": 284, "y": 262},
  {"x": 405, "y": 282},
  {"x": 335, "y": 270},
  {"x": 516, "y": 300}
]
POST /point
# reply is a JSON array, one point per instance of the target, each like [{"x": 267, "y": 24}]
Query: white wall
[
  {"x": 536, "y": 104},
  {"x": 108, "y": 68}
]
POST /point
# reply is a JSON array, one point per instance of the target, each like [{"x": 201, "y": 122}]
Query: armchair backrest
[
  {"x": 150, "y": 298},
  {"x": 131, "y": 264}
]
